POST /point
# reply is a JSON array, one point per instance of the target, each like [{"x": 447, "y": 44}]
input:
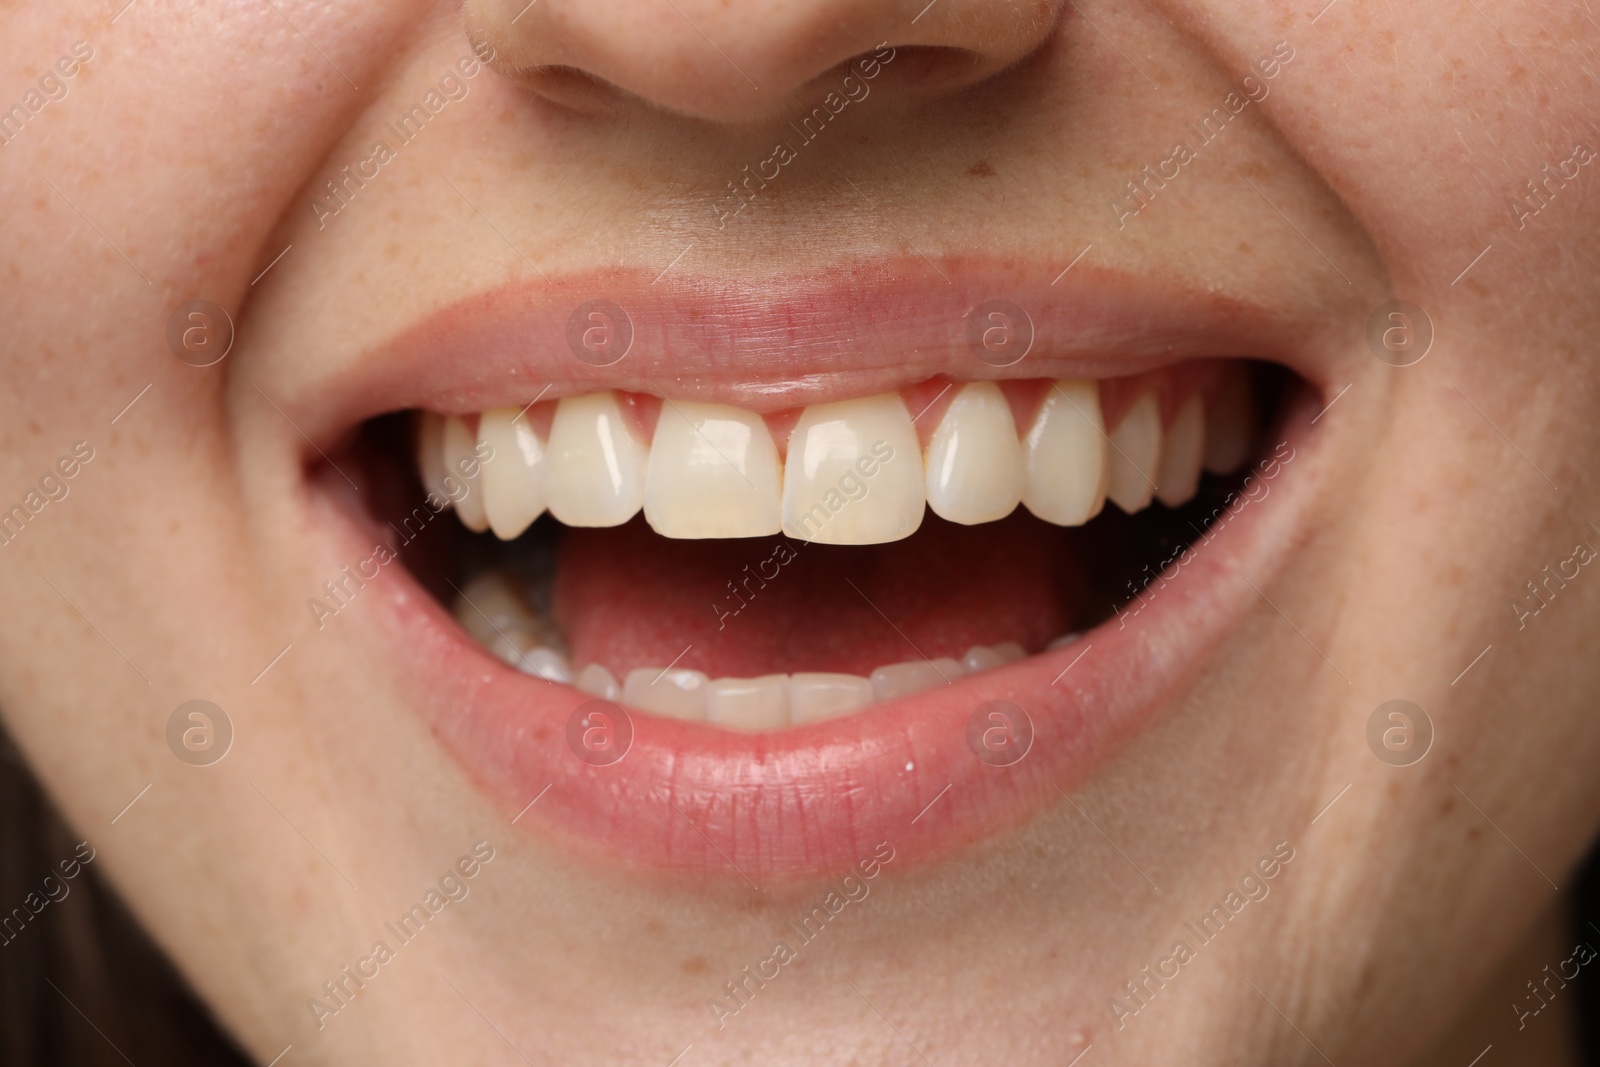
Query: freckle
[
  {"x": 981, "y": 169},
  {"x": 1474, "y": 833},
  {"x": 694, "y": 965}
]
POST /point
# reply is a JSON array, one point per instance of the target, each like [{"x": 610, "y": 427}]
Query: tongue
[{"x": 628, "y": 598}]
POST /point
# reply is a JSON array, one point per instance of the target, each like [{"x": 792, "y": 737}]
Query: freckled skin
[{"x": 191, "y": 151}]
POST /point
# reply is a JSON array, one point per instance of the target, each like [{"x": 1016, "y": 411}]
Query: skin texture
[{"x": 188, "y": 153}]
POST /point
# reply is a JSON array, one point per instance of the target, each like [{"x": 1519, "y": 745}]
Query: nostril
[
  {"x": 717, "y": 60},
  {"x": 910, "y": 70}
]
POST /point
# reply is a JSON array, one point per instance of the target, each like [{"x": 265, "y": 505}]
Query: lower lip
[{"x": 694, "y": 800}]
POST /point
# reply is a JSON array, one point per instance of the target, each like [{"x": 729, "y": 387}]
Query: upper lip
[{"x": 773, "y": 344}]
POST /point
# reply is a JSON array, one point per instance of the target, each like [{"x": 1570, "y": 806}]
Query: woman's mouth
[{"x": 728, "y": 634}]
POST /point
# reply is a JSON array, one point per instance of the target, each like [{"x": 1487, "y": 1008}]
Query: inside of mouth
[{"x": 774, "y": 631}]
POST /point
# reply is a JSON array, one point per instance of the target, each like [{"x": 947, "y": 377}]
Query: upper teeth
[
  {"x": 853, "y": 472},
  {"x": 713, "y": 472},
  {"x": 854, "y": 475},
  {"x": 1066, "y": 450},
  {"x": 596, "y": 471}
]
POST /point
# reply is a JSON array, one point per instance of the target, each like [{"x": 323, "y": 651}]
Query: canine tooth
[
  {"x": 713, "y": 472},
  {"x": 1065, "y": 456},
  {"x": 430, "y": 452},
  {"x": 546, "y": 663},
  {"x": 596, "y": 464},
  {"x": 749, "y": 703},
  {"x": 513, "y": 482},
  {"x": 817, "y": 696},
  {"x": 1230, "y": 423},
  {"x": 854, "y": 473},
  {"x": 974, "y": 461},
  {"x": 902, "y": 679},
  {"x": 457, "y": 450},
  {"x": 678, "y": 693},
  {"x": 1181, "y": 452},
  {"x": 598, "y": 682},
  {"x": 1135, "y": 456}
]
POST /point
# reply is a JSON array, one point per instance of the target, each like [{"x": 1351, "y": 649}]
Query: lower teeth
[{"x": 493, "y": 610}]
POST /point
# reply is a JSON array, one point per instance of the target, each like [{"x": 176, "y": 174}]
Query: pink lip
[
  {"x": 699, "y": 801},
  {"x": 773, "y": 344}
]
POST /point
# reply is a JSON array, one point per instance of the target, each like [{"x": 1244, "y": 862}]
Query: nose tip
[{"x": 745, "y": 61}]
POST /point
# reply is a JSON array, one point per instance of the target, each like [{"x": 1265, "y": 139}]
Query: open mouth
[
  {"x": 730, "y": 634},
  {"x": 706, "y": 563}
]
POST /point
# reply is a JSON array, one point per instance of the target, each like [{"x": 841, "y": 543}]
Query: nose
[{"x": 750, "y": 60}]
